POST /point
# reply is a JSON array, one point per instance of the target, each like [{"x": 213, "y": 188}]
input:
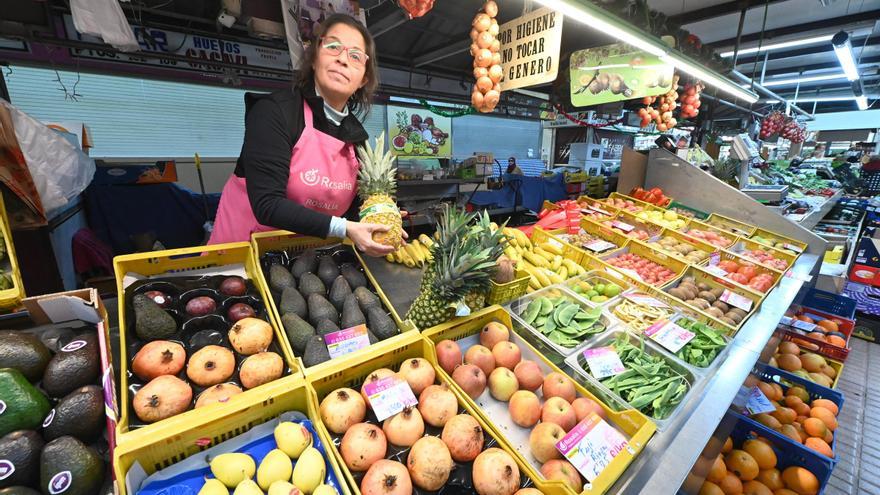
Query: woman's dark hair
[{"x": 362, "y": 99}]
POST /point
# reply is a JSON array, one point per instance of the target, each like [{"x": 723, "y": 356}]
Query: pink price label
[
  {"x": 346, "y": 341},
  {"x": 622, "y": 226},
  {"x": 714, "y": 258},
  {"x": 734, "y": 299},
  {"x": 603, "y": 362},
  {"x": 389, "y": 396},
  {"x": 758, "y": 402},
  {"x": 591, "y": 446},
  {"x": 646, "y": 300},
  {"x": 669, "y": 335}
]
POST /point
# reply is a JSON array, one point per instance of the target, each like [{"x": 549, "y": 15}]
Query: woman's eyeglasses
[{"x": 335, "y": 48}]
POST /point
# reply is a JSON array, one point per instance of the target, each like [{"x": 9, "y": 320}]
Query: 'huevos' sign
[{"x": 530, "y": 48}]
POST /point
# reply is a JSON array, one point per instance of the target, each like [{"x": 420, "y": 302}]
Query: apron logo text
[{"x": 311, "y": 178}]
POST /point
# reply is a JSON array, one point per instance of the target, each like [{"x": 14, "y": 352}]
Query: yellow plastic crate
[
  {"x": 696, "y": 243},
  {"x": 652, "y": 229},
  {"x": 586, "y": 202},
  {"x": 502, "y": 293},
  {"x": 744, "y": 245},
  {"x": 10, "y": 298},
  {"x": 172, "y": 443},
  {"x": 731, "y": 225},
  {"x": 632, "y": 423},
  {"x": 175, "y": 261},
  {"x": 759, "y": 268},
  {"x": 355, "y": 371},
  {"x": 779, "y": 238},
  {"x": 540, "y": 236},
  {"x": 280, "y": 240},
  {"x": 640, "y": 249},
  {"x": 698, "y": 225},
  {"x": 702, "y": 276},
  {"x": 593, "y": 229}
]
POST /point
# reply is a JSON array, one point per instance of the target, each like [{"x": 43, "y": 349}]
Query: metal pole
[
  {"x": 744, "y": 78},
  {"x": 764, "y": 67},
  {"x": 739, "y": 32}
]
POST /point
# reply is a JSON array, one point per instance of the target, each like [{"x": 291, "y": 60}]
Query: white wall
[{"x": 864, "y": 119}]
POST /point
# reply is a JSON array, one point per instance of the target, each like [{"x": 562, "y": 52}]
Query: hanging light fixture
[{"x": 843, "y": 50}]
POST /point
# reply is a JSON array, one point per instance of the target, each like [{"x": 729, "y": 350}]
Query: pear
[
  {"x": 213, "y": 486},
  {"x": 309, "y": 471},
  {"x": 247, "y": 487},
  {"x": 292, "y": 438},
  {"x": 275, "y": 466},
  {"x": 232, "y": 468},
  {"x": 281, "y": 487},
  {"x": 324, "y": 490}
]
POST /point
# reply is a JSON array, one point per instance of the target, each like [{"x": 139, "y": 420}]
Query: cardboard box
[
  {"x": 135, "y": 173},
  {"x": 866, "y": 265}
]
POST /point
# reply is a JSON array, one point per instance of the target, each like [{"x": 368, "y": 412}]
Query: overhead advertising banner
[
  {"x": 616, "y": 72},
  {"x": 530, "y": 48},
  {"x": 200, "y": 50},
  {"x": 419, "y": 133},
  {"x": 313, "y": 12}
]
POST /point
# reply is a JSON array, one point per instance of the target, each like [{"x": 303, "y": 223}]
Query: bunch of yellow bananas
[
  {"x": 414, "y": 253},
  {"x": 544, "y": 262}
]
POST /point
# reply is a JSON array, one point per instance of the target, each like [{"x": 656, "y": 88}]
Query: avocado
[
  {"x": 70, "y": 467},
  {"x": 79, "y": 414},
  {"x": 320, "y": 309},
  {"x": 24, "y": 352},
  {"x": 280, "y": 278},
  {"x": 327, "y": 270},
  {"x": 21, "y": 450},
  {"x": 305, "y": 262},
  {"x": 310, "y": 284},
  {"x": 354, "y": 276},
  {"x": 338, "y": 292},
  {"x": 366, "y": 298},
  {"x": 351, "y": 313},
  {"x": 381, "y": 324},
  {"x": 151, "y": 322},
  {"x": 298, "y": 331},
  {"x": 326, "y": 326},
  {"x": 293, "y": 302},
  {"x": 18, "y": 490},
  {"x": 372, "y": 337},
  {"x": 22, "y": 406},
  {"x": 77, "y": 365},
  {"x": 316, "y": 352}
]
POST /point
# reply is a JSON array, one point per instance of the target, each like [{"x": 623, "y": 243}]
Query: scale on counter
[{"x": 746, "y": 151}]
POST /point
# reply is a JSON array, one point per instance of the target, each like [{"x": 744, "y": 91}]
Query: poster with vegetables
[
  {"x": 417, "y": 132},
  {"x": 616, "y": 72}
]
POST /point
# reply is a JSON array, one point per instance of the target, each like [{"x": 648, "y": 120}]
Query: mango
[
  {"x": 213, "y": 487},
  {"x": 292, "y": 438},
  {"x": 232, "y": 468},
  {"x": 309, "y": 471},
  {"x": 325, "y": 490},
  {"x": 281, "y": 487},
  {"x": 275, "y": 466},
  {"x": 247, "y": 487}
]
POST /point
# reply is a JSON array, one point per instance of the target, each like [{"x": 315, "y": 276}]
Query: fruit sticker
[
  {"x": 591, "y": 446},
  {"x": 6, "y": 469},
  {"x": 603, "y": 362},
  {"x": 49, "y": 418},
  {"x": 389, "y": 396},
  {"x": 73, "y": 346},
  {"x": 2, "y": 407},
  {"x": 345, "y": 341},
  {"x": 419, "y": 133},
  {"x": 60, "y": 482}
]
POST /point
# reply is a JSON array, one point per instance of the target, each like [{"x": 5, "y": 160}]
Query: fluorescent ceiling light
[
  {"x": 709, "y": 78},
  {"x": 801, "y": 80},
  {"x": 862, "y": 102},
  {"x": 843, "y": 50},
  {"x": 777, "y": 46},
  {"x": 819, "y": 99}
]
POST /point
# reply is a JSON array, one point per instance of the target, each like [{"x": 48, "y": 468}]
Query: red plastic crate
[{"x": 845, "y": 326}]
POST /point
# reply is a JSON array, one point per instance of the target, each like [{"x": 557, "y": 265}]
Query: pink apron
[{"x": 323, "y": 177}]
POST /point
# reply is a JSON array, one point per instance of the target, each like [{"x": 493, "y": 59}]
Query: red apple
[
  {"x": 542, "y": 441},
  {"x": 471, "y": 379},
  {"x": 558, "y": 385},
  {"x": 448, "y": 355},
  {"x": 557, "y": 410},
  {"x": 481, "y": 357},
  {"x": 493, "y": 333},
  {"x": 506, "y": 354},
  {"x": 558, "y": 469},
  {"x": 583, "y": 406},
  {"x": 529, "y": 375},
  {"x": 524, "y": 408},
  {"x": 502, "y": 384}
]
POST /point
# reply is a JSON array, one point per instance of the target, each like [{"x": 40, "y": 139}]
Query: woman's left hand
[{"x": 361, "y": 234}]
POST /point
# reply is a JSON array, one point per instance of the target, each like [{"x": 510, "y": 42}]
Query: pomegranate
[
  {"x": 448, "y": 355},
  {"x": 404, "y": 428},
  {"x": 374, "y": 377},
  {"x": 471, "y": 379},
  {"x": 362, "y": 445},
  {"x": 495, "y": 473},
  {"x": 429, "y": 463},
  {"x": 418, "y": 373},
  {"x": 342, "y": 408},
  {"x": 482, "y": 357},
  {"x": 464, "y": 437},
  {"x": 386, "y": 478},
  {"x": 494, "y": 333},
  {"x": 437, "y": 404}
]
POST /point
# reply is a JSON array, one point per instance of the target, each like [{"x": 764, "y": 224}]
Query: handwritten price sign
[
  {"x": 345, "y": 341},
  {"x": 669, "y": 335},
  {"x": 389, "y": 396},
  {"x": 591, "y": 446},
  {"x": 603, "y": 362}
]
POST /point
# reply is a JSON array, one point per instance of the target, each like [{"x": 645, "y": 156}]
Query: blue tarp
[{"x": 518, "y": 190}]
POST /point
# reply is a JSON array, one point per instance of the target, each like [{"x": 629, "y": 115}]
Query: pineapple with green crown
[
  {"x": 376, "y": 187},
  {"x": 465, "y": 258}
]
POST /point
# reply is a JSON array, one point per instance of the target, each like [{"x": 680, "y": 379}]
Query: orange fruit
[
  {"x": 829, "y": 437},
  {"x": 756, "y": 488},
  {"x": 792, "y": 401},
  {"x": 835, "y": 340},
  {"x": 789, "y": 348},
  {"x": 761, "y": 452},
  {"x": 710, "y": 488},
  {"x": 789, "y": 362},
  {"x": 826, "y": 416},
  {"x": 778, "y": 389},
  {"x": 819, "y": 446},
  {"x": 800, "y": 480},
  {"x": 784, "y": 491},
  {"x": 815, "y": 427},
  {"x": 767, "y": 390},
  {"x": 731, "y": 485},
  {"x": 828, "y": 325},
  {"x": 728, "y": 446},
  {"x": 765, "y": 440},
  {"x": 791, "y": 432},
  {"x": 771, "y": 478},
  {"x": 827, "y": 404},
  {"x": 784, "y": 415},
  {"x": 742, "y": 464},
  {"x": 817, "y": 335},
  {"x": 718, "y": 471},
  {"x": 803, "y": 410},
  {"x": 805, "y": 318},
  {"x": 768, "y": 421}
]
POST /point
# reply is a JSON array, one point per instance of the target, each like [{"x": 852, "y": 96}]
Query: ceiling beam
[
  {"x": 801, "y": 28},
  {"x": 386, "y": 23},
  {"x": 719, "y": 10},
  {"x": 857, "y": 44},
  {"x": 441, "y": 53},
  {"x": 865, "y": 62}
]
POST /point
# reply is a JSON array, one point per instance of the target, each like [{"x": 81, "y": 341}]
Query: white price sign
[
  {"x": 669, "y": 335},
  {"x": 591, "y": 446},
  {"x": 622, "y": 226},
  {"x": 758, "y": 403},
  {"x": 716, "y": 270},
  {"x": 389, "y": 396},
  {"x": 734, "y": 299},
  {"x": 600, "y": 245},
  {"x": 603, "y": 362},
  {"x": 646, "y": 300}
]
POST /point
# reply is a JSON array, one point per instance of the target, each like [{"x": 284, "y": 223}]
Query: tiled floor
[{"x": 858, "y": 436}]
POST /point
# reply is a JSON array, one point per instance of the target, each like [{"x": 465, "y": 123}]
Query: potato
[
  {"x": 163, "y": 397},
  {"x": 707, "y": 296},
  {"x": 221, "y": 392},
  {"x": 728, "y": 321},
  {"x": 717, "y": 313},
  {"x": 703, "y": 286},
  {"x": 717, "y": 292},
  {"x": 250, "y": 336},
  {"x": 210, "y": 365},
  {"x": 721, "y": 305},
  {"x": 261, "y": 368},
  {"x": 679, "y": 293},
  {"x": 157, "y": 358}
]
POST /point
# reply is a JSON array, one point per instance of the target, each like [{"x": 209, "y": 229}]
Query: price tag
[
  {"x": 599, "y": 210},
  {"x": 555, "y": 243},
  {"x": 631, "y": 273},
  {"x": 792, "y": 247},
  {"x": 804, "y": 325},
  {"x": 669, "y": 335},
  {"x": 646, "y": 300},
  {"x": 389, "y": 396},
  {"x": 717, "y": 271},
  {"x": 600, "y": 245},
  {"x": 714, "y": 258},
  {"x": 603, "y": 362},
  {"x": 2, "y": 407},
  {"x": 734, "y": 299},
  {"x": 345, "y": 341},
  {"x": 622, "y": 226},
  {"x": 591, "y": 446},
  {"x": 786, "y": 320},
  {"x": 758, "y": 403},
  {"x": 6, "y": 469}
]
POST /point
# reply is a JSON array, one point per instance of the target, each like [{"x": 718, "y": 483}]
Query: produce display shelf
[
  {"x": 815, "y": 216},
  {"x": 668, "y": 458}
]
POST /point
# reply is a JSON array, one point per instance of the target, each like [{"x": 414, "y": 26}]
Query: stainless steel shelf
[
  {"x": 816, "y": 216},
  {"x": 666, "y": 462}
]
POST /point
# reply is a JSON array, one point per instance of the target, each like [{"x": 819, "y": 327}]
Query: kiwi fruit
[
  {"x": 740, "y": 312},
  {"x": 734, "y": 316},
  {"x": 707, "y": 296},
  {"x": 703, "y": 286},
  {"x": 722, "y": 306},
  {"x": 728, "y": 321},
  {"x": 714, "y": 312},
  {"x": 678, "y": 293},
  {"x": 717, "y": 292}
]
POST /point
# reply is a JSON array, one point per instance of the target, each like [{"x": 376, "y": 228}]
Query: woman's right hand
[{"x": 361, "y": 234}]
